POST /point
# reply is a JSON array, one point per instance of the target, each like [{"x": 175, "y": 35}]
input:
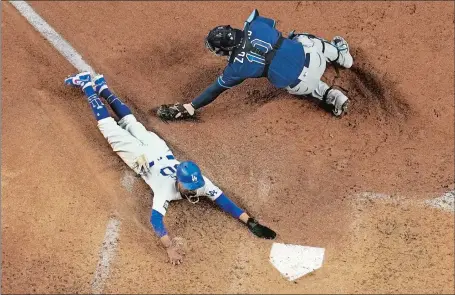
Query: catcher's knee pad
[
  {"x": 300, "y": 89},
  {"x": 309, "y": 40},
  {"x": 305, "y": 40},
  {"x": 293, "y": 34}
]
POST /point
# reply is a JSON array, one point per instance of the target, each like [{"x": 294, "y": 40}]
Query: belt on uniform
[
  {"x": 305, "y": 65},
  {"x": 170, "y": 157}
]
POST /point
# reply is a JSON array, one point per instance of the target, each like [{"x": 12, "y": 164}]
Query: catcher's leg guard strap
[
  {"x": 326, "y": 93},
  {"x": 338, "y": 56},
  {"x": 324, "y": 97},
  {"x": 331, "y": 51}
]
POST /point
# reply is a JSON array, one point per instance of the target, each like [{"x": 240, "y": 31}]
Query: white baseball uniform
[
  {"x": 148, "y": 155},
  {"x": 311, "y": 77}
]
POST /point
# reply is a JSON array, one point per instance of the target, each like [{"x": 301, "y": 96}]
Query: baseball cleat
[
  {"x": 342, "y": 110},
  {"x": 87, "y": 84},
  {"x": 345, "y": 59},
  {"x": 100, "y": 84},
  {"x": 340, "y": 105},
  {"x": 338, "y": 102},
  {"x": 78, "y": 80}
]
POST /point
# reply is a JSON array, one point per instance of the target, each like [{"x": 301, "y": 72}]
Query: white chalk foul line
[
  {"x": 445, "y": 202},
  {"x": 128, "y": 180},
  {"x": 52, "y": 36},
  {"x": 107, "y": 251}
]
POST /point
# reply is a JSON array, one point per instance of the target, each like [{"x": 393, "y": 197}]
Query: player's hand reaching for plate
[
  {"x": 175, "y": 254},
  {"x": 174, "y": 248}
]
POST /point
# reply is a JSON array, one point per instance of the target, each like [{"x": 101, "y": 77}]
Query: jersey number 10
[{"x": 251, "y": 56}]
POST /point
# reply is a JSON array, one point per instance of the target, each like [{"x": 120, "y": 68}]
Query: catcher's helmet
[
  {"x": 223, "y": 39},
  {"x": 189, "y": 175}
]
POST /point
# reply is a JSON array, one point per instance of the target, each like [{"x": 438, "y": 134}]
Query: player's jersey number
[
  {"x": 251, "y": 56},
  {"x": 169, "y": 171}
]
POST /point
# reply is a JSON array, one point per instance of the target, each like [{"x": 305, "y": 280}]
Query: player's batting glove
[
  {"x": 173, "y": 112},
  {"x": 260, "y": 230}
]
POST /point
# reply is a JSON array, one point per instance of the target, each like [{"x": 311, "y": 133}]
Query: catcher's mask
[{"x": 222, "y": 40}]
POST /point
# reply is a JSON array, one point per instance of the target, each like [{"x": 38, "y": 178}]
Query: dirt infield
[{"x": 355, "y": 186}]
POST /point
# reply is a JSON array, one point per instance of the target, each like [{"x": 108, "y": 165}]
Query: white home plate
[{"x": 294, "y": 261}]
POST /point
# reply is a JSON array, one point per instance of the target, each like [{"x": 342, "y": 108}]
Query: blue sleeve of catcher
[
  {"x": 157, "y": 222},
  {"x": 209, "y": 95},
  {"x": 228, "y": 206}
]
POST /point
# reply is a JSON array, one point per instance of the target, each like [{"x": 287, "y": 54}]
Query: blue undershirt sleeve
[
  {"x": 228, "y": 206},
  {"x": 157, "y": 222},
  {"x": 209, "y": 95}
]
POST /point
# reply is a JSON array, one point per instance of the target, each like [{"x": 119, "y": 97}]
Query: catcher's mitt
[
  {"x": 259, "y": 230},
  {"x": 173, "y": 112}
]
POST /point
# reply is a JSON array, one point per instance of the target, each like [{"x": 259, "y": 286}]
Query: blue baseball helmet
[{"x": 189, "y": 175}]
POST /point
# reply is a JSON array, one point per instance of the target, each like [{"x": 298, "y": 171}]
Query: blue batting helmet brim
[{"x": 193, "y": 185}]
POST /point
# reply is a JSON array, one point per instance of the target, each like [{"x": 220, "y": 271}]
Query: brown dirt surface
[{"x": 283, "y": 158}]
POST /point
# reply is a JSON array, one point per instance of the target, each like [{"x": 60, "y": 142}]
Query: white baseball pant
[
  {"x": 311, "y": 77},
  {"x": 132, "y": 142}
]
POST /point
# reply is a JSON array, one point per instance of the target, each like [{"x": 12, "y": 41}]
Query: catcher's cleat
[
  {"x": 337, "y": 101},
  {"x": 340, "y": 111},
  {"x": 173, "y": 112},
  {"x": 343, "y": 50},
  {"x": 334, "y": 100}
]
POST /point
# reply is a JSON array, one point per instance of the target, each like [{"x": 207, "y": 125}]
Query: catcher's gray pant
[
  {"x": 132, "y": 142},
  {"x": 311, "y": 77}
]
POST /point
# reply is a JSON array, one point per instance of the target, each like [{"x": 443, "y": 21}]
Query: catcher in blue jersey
[{"x": 295, "y": 63}]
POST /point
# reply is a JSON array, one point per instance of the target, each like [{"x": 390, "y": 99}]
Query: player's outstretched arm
[
  {"x": 180, "y": 111},
  {"x": 255, "y": 227},
  {"x": 174, "y": 253},
  {"x": 208, "y": 96},
  {"x": 222, "y": 84}
]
